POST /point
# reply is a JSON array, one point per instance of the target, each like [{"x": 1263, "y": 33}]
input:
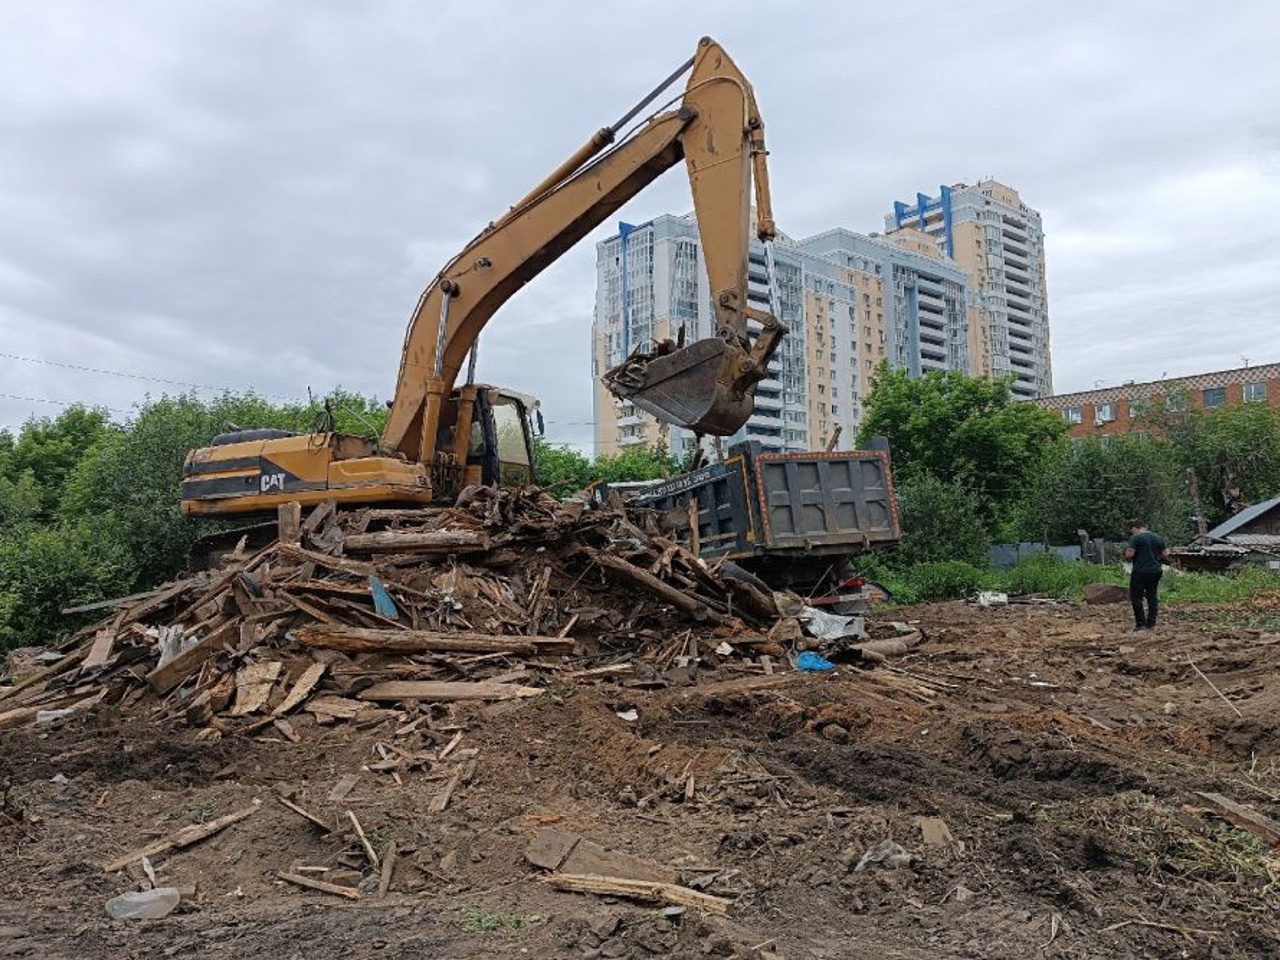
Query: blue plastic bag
[{"x": 812, "y": 661}]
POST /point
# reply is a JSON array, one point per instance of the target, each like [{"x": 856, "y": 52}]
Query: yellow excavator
[{"x": 440, "y": 437}]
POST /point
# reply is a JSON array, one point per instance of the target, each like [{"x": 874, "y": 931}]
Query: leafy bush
[
  {"x": 940, "y": 521},
  {"x": 1217, "y": 588},
  {"x": 1051, "y": 575},
  {"x": 43, "y": 570},
  {"x": 946, "y": 580}
]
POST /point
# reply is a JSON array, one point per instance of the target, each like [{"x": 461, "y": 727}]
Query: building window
[
  {"x": 1104, "y": 442},
  {"x": 1255, "y": 392},
  {"x": 1215, "y": 397},
  {"x": 1139, "y": 408},
  {"x": 1073, "y": 415},
  {"x": 1106, "y": 412}
]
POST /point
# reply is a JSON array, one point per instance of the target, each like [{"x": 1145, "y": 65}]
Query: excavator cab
[{"x": 500, "y": 447}]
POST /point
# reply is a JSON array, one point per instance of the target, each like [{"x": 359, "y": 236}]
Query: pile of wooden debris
[{"x": 349, "y": 611}]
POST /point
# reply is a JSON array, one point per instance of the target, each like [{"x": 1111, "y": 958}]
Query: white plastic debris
[
  {"x": 992, "y": 598},
  {"x": 831, "y": 626},
  {"x": 724, "y": 649},
  {"x": 48, "y": 716},
  {"x": 631, "y": 714},
  {"x": 144, "y": 905}
]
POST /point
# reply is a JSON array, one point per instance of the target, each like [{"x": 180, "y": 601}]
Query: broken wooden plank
[
  {"x": 1256, "y": 823},
  {"x": 150, "y": 604},
  {"x": 346, "y": 783},
  {"x": 289, "y": 521},
  {"x": 253, "y": 686},
  {"x": 18, "y": 717},
  {"x": 364, "y": 841},
  {"x": 446, "y": 690},
  {"x": 418, "y": 541},
  {"x": 184, "y": 837},
  {"x": 559, "y": 850},
  {"x": 745, "y": 685},
  {"x": 113, "y": 602},
  {"x": 297, "y": 879},
  {"x": 172, "y": 674},
  {"x": 356, "y": 567},
  {"x": 47, "y": 673},
  {"x": 311, "y": 610},
  {"x": 646, "y": 891},
  {"x": 388, "y": 868},
  {"x": 677, "y": 598},
  {"x": 301, "y": 690},
  {"x": 103, "y": 642},
  {"x": 322, "y": 512},
  {"x": 365, "y": 640},
  {"x": 304, "y": 813},
  {"x": 339, "y": 708},
  {"x": 286, "y": 729},
  {"x": 440, "y": 802}
]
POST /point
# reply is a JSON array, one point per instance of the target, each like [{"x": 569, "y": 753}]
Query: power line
[
  {"x": 133, "y": 376},
  {"x": 62, "y": 403}
]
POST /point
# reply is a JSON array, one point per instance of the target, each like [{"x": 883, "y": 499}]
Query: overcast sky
[{"x": 253, "y": 194}]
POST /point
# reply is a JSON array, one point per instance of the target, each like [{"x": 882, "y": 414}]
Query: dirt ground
[{"x": 1062, "y": 753}]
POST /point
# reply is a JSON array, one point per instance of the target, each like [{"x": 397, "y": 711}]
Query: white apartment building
[{"x": 849, "y": 302}]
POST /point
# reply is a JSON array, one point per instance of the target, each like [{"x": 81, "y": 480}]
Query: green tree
[
  {"x": 48, "y": 449},
  {"x": 940, "y": 522},
  {"x": 43, "y": 570},
  {"x": 560, "y": 468},
  {"x": 1235, "y": 452},
  {"x": 961, "y": 430},
  {"x": 563, "y": 470},
  {"x": 1098, "y": 486}
]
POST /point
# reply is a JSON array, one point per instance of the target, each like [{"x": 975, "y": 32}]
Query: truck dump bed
[{"x": 778, "y": 505}]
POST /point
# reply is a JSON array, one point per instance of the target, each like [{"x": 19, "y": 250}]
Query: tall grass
[{"x": 1049, "y": 575}]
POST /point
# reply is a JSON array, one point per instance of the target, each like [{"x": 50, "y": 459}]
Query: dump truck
[{"x": 790, "y": 519}]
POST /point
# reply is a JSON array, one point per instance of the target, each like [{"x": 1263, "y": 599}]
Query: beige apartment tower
[{"x": 999, "y": 243}]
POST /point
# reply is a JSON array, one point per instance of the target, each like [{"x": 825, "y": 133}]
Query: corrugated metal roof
[
  {"x": 1225, "y": 528},
  {"x": 1269, "y": 541}
]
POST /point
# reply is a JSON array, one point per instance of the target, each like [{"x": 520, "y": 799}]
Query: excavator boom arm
[{"x": 717, "y": 130}]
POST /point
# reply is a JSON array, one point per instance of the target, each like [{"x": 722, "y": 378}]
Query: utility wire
[
  {"x": 62, "y": 403},
  {"x": 132, "y": 376}
]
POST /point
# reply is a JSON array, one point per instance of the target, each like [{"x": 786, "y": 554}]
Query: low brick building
[{"x": 1113, "y": 410}]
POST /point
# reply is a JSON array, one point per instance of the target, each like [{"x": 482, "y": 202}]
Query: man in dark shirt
[{"x": 1148, "y": 552}]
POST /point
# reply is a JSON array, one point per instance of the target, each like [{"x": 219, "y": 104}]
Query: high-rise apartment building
[
  {"x": 849, "y": 302},
  {"x": 999, "y": 242}
]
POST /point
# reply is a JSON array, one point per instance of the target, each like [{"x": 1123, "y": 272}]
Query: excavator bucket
[{"x": 691, "y": 387}]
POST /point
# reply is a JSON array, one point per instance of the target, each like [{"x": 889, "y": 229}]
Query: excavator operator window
[{"x": 513, "y": 441}]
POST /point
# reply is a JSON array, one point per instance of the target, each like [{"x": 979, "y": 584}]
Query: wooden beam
[
  {"x": 647, "y": 891},
  {"x": 446, "y": 690},
  {"x": 289, "y": 521},
  {"x": 184, "y": 837},
  {"x": 351, "y": 893},
  {"x": 163, "y": 679},
  {"x": 677, "y": 598},
  {"x": 364, "y": 640},
  {"x": 418, "y": 541},
  {"x": 388, "y": 868},
  {"x": 1260, "y": 826}
]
